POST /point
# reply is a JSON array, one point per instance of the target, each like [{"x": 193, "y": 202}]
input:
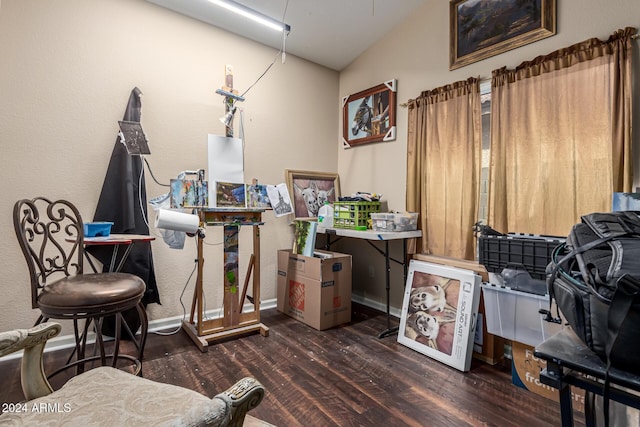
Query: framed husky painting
[
  {"x": 309, "y": 191},
  {"x": 439, "y": 312}
]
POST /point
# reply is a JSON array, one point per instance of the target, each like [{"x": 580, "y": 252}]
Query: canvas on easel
[
  {"x": 257, "y": 196},
  {"x": 439, "y": 312},
  {"x": 230, "y": 195},
  {"x": 187, "y": 193}
]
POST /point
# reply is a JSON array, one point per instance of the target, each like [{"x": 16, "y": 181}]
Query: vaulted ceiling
[{"x": 328, "y": 32}]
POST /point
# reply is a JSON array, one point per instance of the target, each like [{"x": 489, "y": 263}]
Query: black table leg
[
  {"x": 327, "y": 245},
  {"x": 566, "y": 409},
  {"x": 389, "y": 330}
]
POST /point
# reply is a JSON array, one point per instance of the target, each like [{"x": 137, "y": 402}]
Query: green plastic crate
[{"x": 354, "y": 215}]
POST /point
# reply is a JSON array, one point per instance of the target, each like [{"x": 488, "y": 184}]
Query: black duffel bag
[{"x": 595, "y": 280}]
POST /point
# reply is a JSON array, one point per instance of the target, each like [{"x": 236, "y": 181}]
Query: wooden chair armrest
[
  {"x": 243, "y": 396},
  {"x": 32, "y": 341}
]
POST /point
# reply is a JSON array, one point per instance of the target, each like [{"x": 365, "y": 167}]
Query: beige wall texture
[
  {"x": 66, "y": 71},
  {"x": 416, "y": 53},
  {"x": 68, "y": 67}
]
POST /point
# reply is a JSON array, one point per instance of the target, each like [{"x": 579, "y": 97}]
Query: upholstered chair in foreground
[{"x": 109, "y": 396}]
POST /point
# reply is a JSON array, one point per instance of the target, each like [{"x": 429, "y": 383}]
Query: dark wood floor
[{"x": 344, "y": 376}]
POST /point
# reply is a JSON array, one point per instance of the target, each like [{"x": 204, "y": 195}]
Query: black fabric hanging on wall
[{"x": 123, "y": 200}]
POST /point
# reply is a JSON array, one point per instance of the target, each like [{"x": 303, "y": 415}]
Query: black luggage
[{"x": 595, "y": 280}]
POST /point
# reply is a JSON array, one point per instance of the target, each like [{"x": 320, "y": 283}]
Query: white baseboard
[
  {"x": 175, "y": 322},
  {"x": 377, "y": 305}
]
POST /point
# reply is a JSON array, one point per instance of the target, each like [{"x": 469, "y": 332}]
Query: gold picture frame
[
  {"x": 480, "y": 30},
  {"x": 309, "y": 190}
]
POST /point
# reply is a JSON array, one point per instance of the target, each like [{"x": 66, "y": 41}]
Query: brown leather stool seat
[{"x": 92, "y": 294}]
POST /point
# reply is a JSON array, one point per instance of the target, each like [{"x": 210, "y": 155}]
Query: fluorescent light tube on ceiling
[{"x": 256, "y": 16}]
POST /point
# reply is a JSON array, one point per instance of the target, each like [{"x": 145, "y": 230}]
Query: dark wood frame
[
  {"x": 386, "y": 94},
  {"x": 547, "y": 27}
]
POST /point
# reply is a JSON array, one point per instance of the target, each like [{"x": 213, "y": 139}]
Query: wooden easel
[{"x": 234, "y": 322}]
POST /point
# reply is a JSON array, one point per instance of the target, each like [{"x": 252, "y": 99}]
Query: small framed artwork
[
  {"x": 310, "y": 190},
  {"x": 186, "y": 193},
  {"x": 480, "y": 30},
  {"x": 625, "y": 202},
  {"x": 230, "y": 195},
  {"x": 370, "y": 115},
  {"x": 439, "y": 312},
  {"x": 257, "y": 196},
  {"x": 280, "y": 199},
  {"x": 304, "y": 241}
]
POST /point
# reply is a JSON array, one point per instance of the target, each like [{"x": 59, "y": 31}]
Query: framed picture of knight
[
  {"x": 439, "y": 312},
  {"x": 309, "y": 190},
  {"x": 370, "y": 115}
]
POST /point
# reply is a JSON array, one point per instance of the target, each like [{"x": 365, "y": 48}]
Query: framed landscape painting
[
  {"x": 439, "y": 312},
  {"x": 480, "y": 29},
  {"x": 230, "y": 195}
]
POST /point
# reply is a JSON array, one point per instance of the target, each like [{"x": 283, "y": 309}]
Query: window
[{"x": 485, "y": 102}]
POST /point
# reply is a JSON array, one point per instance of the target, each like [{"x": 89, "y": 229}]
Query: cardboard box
[
  {"x": 525, "y": 373},
  {"x": 315, "y": 290}
]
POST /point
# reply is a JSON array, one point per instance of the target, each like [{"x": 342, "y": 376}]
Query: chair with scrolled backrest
[{"x": 51, "y": 236}]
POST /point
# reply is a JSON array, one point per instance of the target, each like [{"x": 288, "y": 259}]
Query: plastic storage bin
[
  {"x": 406, "y": 221},
  {"x": 97, "y": 229},
  {"x": 517, "y": 251},
  {"x": 514, "y": 315},
  {"x": 354, "y": 215}
]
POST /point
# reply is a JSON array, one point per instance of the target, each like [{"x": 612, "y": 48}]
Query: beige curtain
[
  {"x": 443, "y": 167},
  {"x": 561, "y": 136}
]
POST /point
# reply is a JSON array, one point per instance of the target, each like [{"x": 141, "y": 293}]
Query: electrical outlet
[{"x": 371, "y": 271}]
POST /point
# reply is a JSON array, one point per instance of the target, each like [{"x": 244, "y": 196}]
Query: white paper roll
[{"x": 177, "y": 221}]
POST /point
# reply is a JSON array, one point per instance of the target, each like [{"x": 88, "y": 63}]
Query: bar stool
[{"x": 51, "y": 237}]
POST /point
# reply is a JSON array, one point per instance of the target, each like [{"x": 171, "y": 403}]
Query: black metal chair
[{"x": 51, "y": 237}]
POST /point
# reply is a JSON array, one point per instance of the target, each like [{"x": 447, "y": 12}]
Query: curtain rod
[{"x": 633, "y": 37}]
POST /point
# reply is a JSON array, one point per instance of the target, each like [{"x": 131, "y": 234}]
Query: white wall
[
  {"x": 66, "y": 73},
  {"x": 416, "y": 53}
]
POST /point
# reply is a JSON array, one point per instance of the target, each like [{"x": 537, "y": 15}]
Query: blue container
[{"x": 97, "y": 229}]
